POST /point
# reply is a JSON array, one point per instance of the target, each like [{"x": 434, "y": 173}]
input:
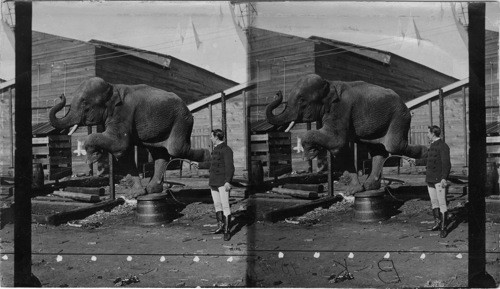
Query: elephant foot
[
  {"x": 133, "y": 193},
  {"x": 371, "y": 185},
  {"x": 154, "y": 187}
]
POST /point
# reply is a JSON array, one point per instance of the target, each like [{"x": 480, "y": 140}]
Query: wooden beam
[
  {"x": 447, "y": 90},
  {"x": 78, "y": 196},
  {"x": 301, "y": 209},
  {"x": 296, "y": 193},
  {"x": 215, "y": 98},
  {"x": 441, "y": 114},
  {"x": 80, "y": 213}
]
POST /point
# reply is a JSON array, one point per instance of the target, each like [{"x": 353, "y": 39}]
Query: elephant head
[
  {"x": 90, "y": 103},
  {"x": 307, "y": 102}
]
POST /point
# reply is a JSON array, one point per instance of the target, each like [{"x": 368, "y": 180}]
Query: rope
[
  {"x": 410, "y": 160},
  {"x": 166, "y": 167}
]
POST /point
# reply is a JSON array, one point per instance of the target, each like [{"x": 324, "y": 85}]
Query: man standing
[
  {"x": 437, "y": 171},
  {"x": 221, "y": 167}
]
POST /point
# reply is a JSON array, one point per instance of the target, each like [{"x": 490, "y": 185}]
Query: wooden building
[
  {"x": 425, "y": 110},
  {"x": 60, "y": 65},
  {"x": 7, "y": 94},
  {"x": 278, "y": 60}
]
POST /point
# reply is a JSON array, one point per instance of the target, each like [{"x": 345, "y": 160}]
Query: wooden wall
[
  {"x": 406, "y": 78},
  {"x": 277, "y": 61},
  {"x": 6, "y": 123},
  {"x": 200, "y": 138},
  {"x": 455, "y": 135},
  {"x": 191, "y": 83},
  {"x": 491, "y": 79},
  {"x": 59, "y": 66}
]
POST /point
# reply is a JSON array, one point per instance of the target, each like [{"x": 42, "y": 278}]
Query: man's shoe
[
  {"x": 227, "y": 233},
  {"x": 443, "y": 232},
  {"x": 437, "y": 220},
  {"x": 220, "y": 222}
]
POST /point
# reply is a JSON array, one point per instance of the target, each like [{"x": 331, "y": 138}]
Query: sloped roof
[
  {"x": 375, "y": 54},
  {"x": 160, "y": 59},
  {"x": 44, "y": 129}
]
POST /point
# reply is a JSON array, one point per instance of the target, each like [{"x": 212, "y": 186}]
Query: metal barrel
[
  {"x": 38, "y": 177},
  {"x": 154, "y": 209},
  {"x": 370, "y": 206}
]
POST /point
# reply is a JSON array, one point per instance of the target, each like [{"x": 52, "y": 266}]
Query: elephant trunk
[
  {"x": 70, "y": 119},
  {"x": 283, "y": 118}
]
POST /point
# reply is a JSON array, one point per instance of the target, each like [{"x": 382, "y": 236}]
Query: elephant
[
  {"x": 132, "y": 115},
  {"x": 350, "y": 112}
]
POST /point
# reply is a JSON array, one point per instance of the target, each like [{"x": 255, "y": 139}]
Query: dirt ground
[{"x": 326, "y": 247}]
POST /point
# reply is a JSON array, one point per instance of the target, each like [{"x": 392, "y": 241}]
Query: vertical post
[
  {"x": 223, "y": 108},
  {"x": 441, "y": 114},
  {"x": 246, "y": 136},
  {"x": 477, "y": 130},
  {"x": 210, "y": 117},
  {"x": 111, "y": 175},
  {"x": 356, "y": 157},
  {"x": 430, "y": 111},
  {"x": 91, "y": 166},
  {"x": 11, "y": 124},
  {"x": 330, "y": 174},
  {"x": 464, "y": 114},
  {"x": 23, "y": 157},
  {"x": 309, "y": 162}
]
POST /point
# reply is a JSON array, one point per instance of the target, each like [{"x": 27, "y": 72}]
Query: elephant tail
[{"x": 416, "y": 151}]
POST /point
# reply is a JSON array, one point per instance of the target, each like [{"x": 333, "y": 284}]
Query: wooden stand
[
  {"x": 54, "y": 153},
  {"x": 274, "y": 150}
]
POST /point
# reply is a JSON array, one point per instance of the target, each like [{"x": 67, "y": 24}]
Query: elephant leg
[
  {"x": 179, "y": 142},
  {"x": 161, "y": 157},
  {"x": 315, "y": 141},
  {"x": 379, "y": 155},
  {"x": 128, "y": 166}
]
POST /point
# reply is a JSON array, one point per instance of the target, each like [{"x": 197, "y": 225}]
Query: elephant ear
[
  {"x": 331, "y": 94},
  {"x": 115, "y": 96}
]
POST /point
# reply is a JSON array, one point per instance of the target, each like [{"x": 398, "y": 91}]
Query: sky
[{"x": 160, "y": 27}]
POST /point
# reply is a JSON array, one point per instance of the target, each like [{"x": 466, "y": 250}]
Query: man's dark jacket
[
  {"x": 438, "y": 162},
  {"x": 221, "y": 165}
]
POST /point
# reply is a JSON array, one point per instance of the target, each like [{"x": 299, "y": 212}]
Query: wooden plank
[
  {"x": 259, "y": 137},
  {"x": 296, "y": 193},
  {"x": 40, "y": 140},
  {"x": 80, "y": 213},
  {"x": 58, "y": 173},
  {"x": 492, "y": 139},
  {"x": 279, "y": 142},
  {"x": 279, "y": 157},
  {"x": 53, "y": 160},
  {"x": 493, "y": 149},
  {"x": 301, "y": 209},
  {"x": 279, "y": 170},
  {"x": 259, "y": 147},
  {"x": 270, "y": 196},
  {"x": 319, "y": 188},
  {"x": 62, "y": 202},
  {"x": 86, "y": 190},
  {"x": 77, "y": 196},
  {"x": 41, "y": 150}
]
